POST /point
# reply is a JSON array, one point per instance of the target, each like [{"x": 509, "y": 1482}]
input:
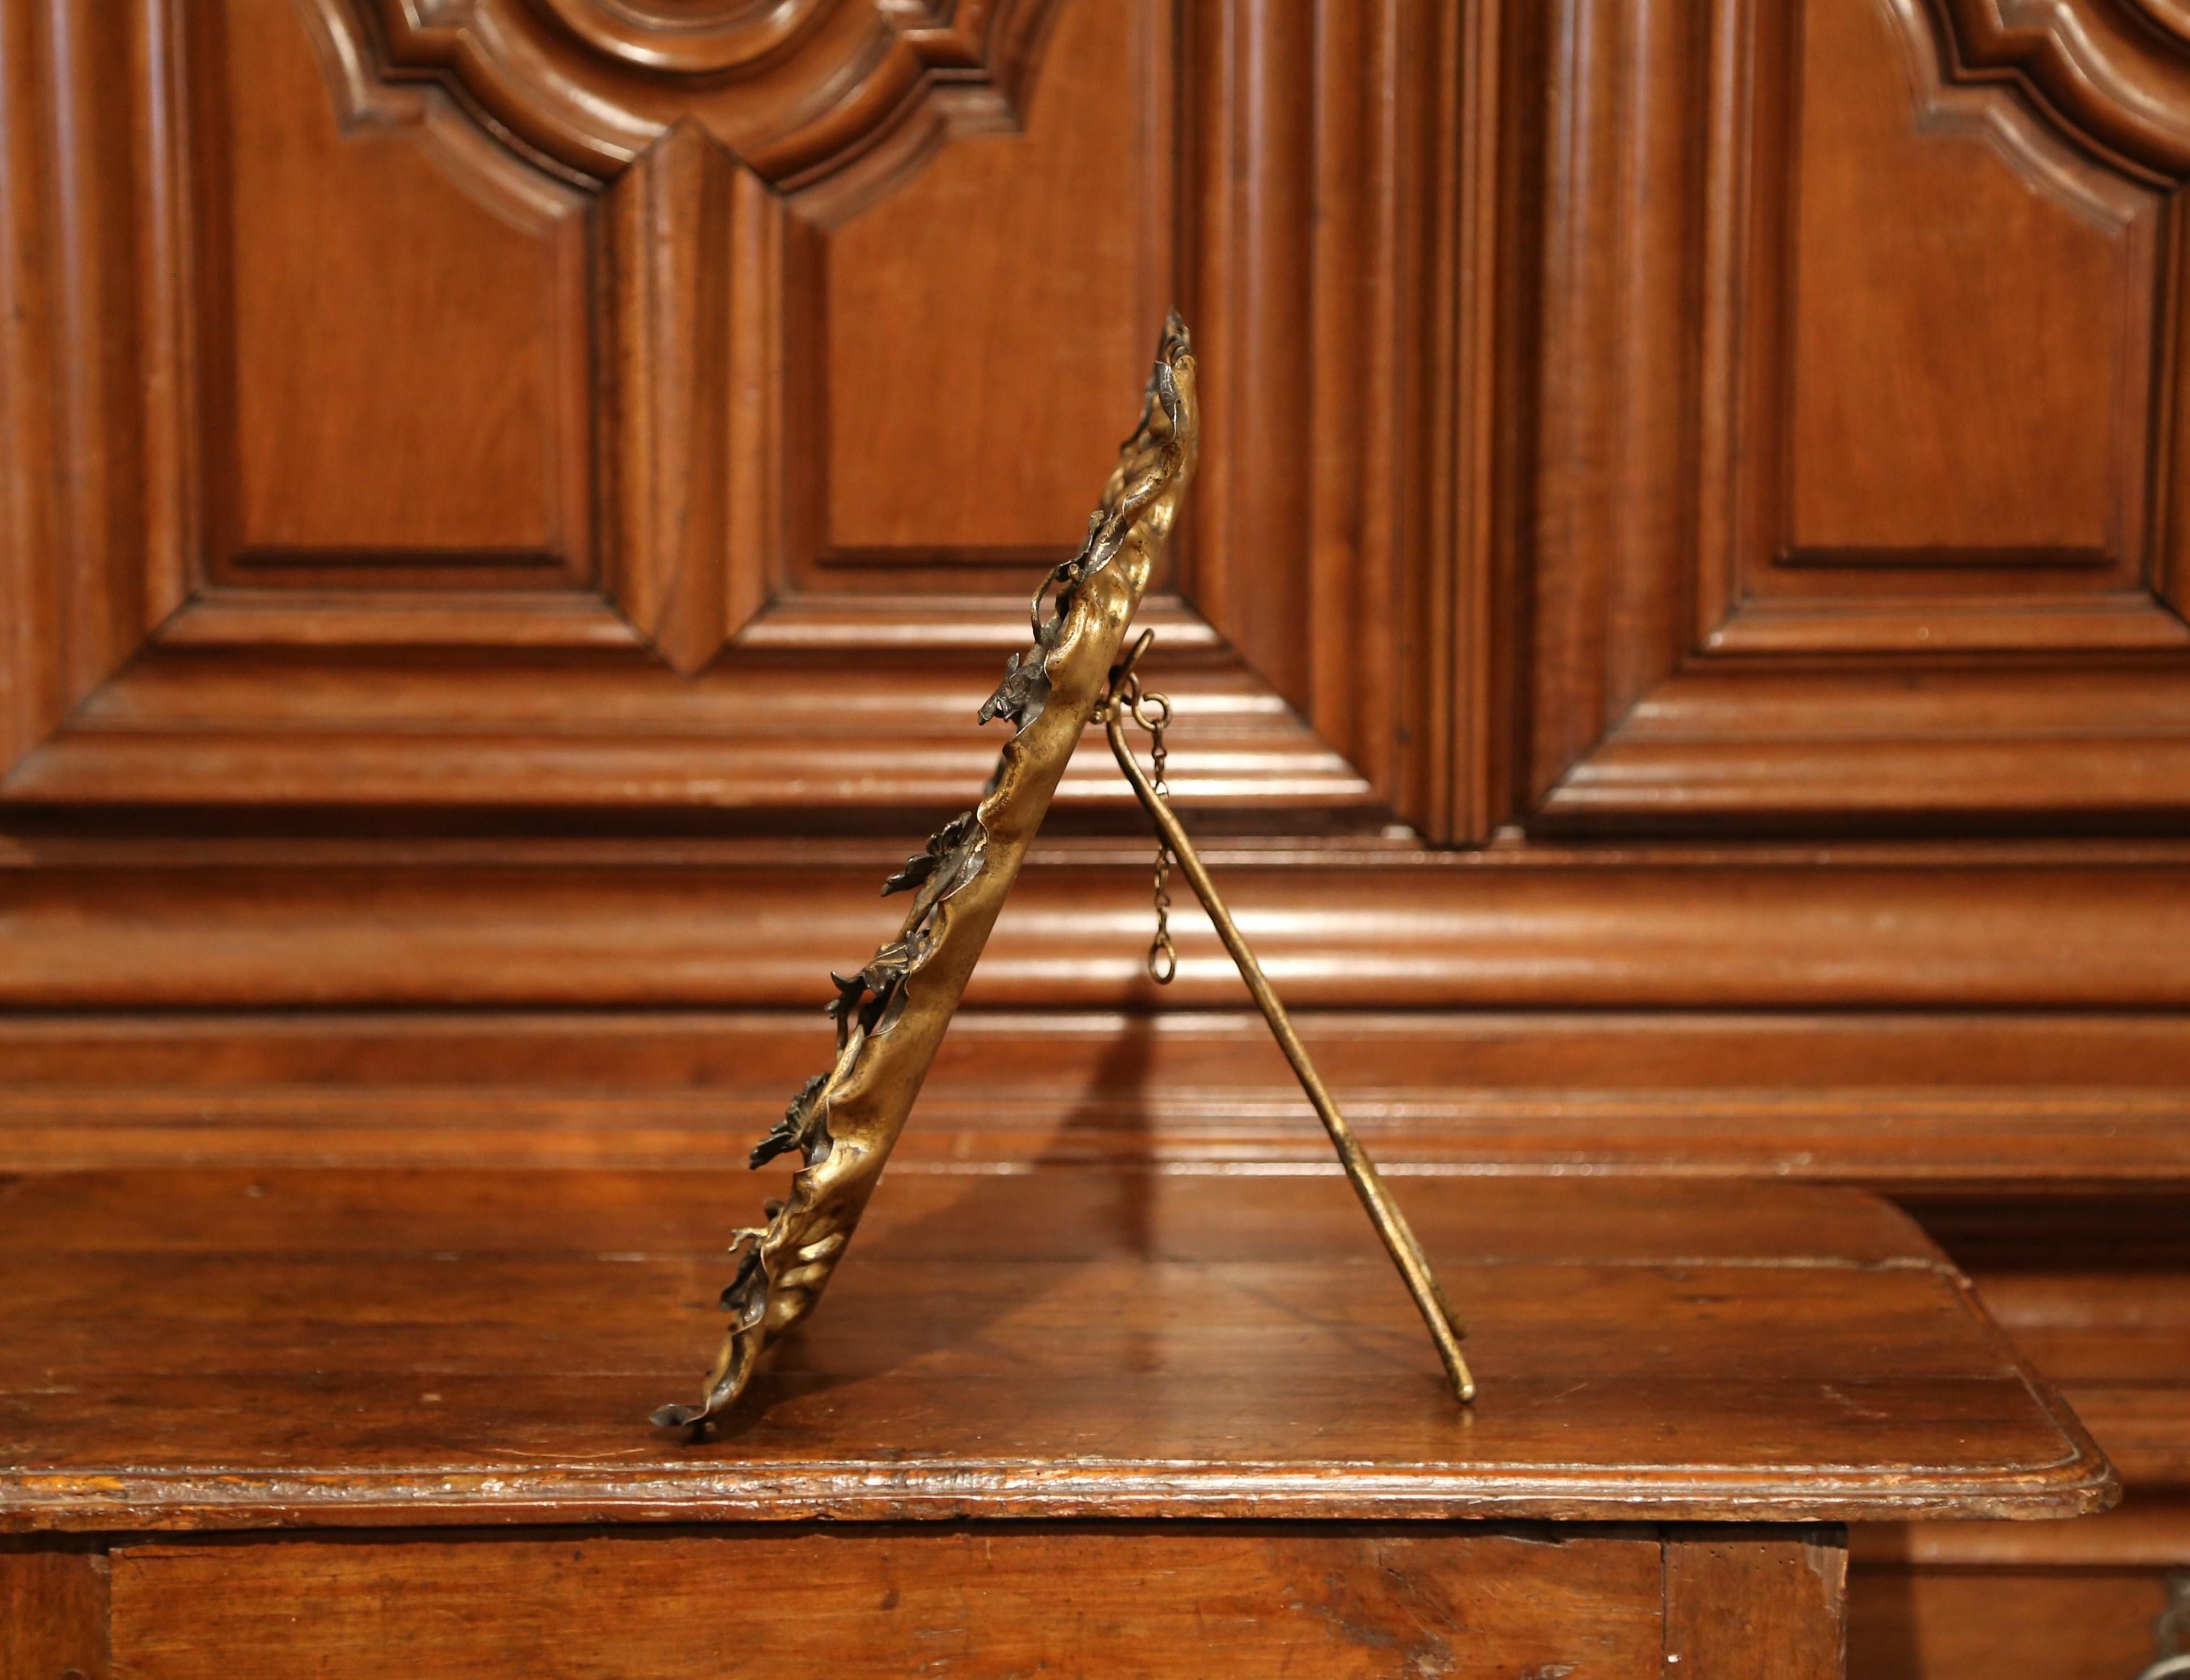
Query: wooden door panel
[
  {"x": 1854, "y": 477},
  {"x": 1965, "y": 303},
  {"x": 588, "y": 407},
  {"x": 986, "y": 324},
  {"x": 391, "y": 329}
]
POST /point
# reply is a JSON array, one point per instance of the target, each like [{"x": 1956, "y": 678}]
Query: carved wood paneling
[
  {"x": 361, "y": 433},
  {"x": 1801, "y": 1094},
  {"x": 1851, "y": 476},
  {"x": 507, "y": 506},
  {"x": 491, "y": 922},
  {"x": 1544, "y": 487},
  {"x": 2021, "y": 293},
  {"x": 961, "y": 427},
  {"x": 2113, "y": 69},
  {"x": 644, "y": 518}
]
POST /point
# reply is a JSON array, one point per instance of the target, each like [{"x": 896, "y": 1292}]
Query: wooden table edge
[{"x": 2080, "y": 1484}]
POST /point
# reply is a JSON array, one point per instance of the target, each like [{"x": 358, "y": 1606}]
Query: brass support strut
[{"x": 1125, "y": 699}]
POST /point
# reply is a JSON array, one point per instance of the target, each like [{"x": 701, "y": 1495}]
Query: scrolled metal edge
[{"x": 784, "y": 1266}]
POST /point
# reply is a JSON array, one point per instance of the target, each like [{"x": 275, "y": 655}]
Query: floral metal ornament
[{"x": 891, "y": 1016}]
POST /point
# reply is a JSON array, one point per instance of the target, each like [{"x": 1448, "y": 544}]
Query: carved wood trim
[
  {"x": 1707, "y": 749},
  {"x": 2115, "y": 74},
  {"x": 1459, "y": 786},
  {"x": 1348, "y": 446},
  {"x": 706, "y": 290},
  {"x": 679, "y": 222},
  {"x": 1951, "y": 98},
  {"x": 487, "y": 924},
  {"x": 78, "y": 590},
  {"x": 1613, "y": 521},
  {"x": 850, "y": 92},
  {"x": 607, "y": 726},
  {"x": 1945, "y": 1101},
  {"x": 1664, "y": 694}
]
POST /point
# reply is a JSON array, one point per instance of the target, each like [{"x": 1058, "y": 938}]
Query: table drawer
[{"x": 992, "y": 1600}]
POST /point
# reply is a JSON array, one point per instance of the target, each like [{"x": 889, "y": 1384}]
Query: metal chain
[
  {"x": 1153, "y": 712},
  {"x": 1163, "y": 955}
]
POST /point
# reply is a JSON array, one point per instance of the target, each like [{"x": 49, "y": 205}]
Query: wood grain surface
[
  {"x": 1764, "y": 1605},
  {"x": 485, "y": 599},
  {"x": 225, "y": 1349},
  {"x": 2065, "y": 1623},
  {"x": 973, "y": 1604},
  {"x": 53, "y": 1611}
]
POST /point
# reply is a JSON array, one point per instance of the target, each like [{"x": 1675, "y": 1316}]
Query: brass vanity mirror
[{"x": 892, "y": 1013}]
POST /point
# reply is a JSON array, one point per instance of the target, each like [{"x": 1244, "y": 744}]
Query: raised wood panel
[
  {"x": 1967, "y": 385},
  {"x": 677, "y": 401},
  {"x": 1969, "y": 306},
  {"x": 1675, "y": 234},
  {"x": 439, "y": 411},
  {"x": 1851, "y": 466},
  {"x": 975, "y": 320}
]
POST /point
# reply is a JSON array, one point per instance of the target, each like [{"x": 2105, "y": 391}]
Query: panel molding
[
  {"x": 847, "y": 95},
  {"x": 1342, "y": 923},
  {"x": 2113, "y": 73},
  {"x": 1751, "y": 281},
  {"x": 1339, "y": 537},
  {"x": 1707, "y": 750},
  {"x": 1319, "y": 626},
  {"x": 833, "y": 714},
  {"x": 1945, "y": 1103},
  {"x": 686, "y": 231},
  {"x": 1666, "y": 692}
]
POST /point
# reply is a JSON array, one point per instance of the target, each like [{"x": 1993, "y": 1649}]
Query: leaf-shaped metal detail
[
  {"x": 746, "y": 1296},
  {"x": 953, "y": 855},
  {"x": 1020, "y": 698},
  {"x": 804, "y": 1127},
  {"x": 872, "y": 999},
  {"x": 847, "y": 1122}
]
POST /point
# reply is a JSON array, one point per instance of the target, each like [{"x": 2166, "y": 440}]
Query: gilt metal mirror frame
[{"x": 892, "y": 1013}]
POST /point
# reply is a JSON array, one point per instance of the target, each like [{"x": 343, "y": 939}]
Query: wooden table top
[{"x": 229, "y": 1349}]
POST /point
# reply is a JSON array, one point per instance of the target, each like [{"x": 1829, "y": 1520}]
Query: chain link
[
  {"x": 1163, "y": 955},
  {"x": 1153, "y": 712}
]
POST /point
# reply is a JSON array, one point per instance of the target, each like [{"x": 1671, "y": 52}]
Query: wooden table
[{"x": 1064, "y": 1421}]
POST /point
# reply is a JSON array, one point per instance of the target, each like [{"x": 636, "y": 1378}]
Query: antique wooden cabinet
[{"x": 507, "y": 507}]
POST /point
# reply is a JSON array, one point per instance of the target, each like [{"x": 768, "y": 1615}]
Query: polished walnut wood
[
  {"x": 1085, "y": 1418},
  {"x": 53, "y": 1610},
  {"x": 1960, "y": 1625},
  {"x": 230, "y": 1349},
  {"x": 1763, "y": 1604},
  {"x": 622, "y": 416},
  {"x": 963, "y": 1601},
  {"x": 1716, "y": 463}
]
